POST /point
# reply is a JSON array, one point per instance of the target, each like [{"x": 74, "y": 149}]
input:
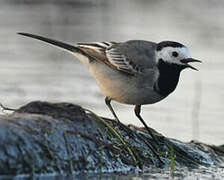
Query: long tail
[
  {"x": 64, "y": 46},
  {"x": 77, "y": 52}
]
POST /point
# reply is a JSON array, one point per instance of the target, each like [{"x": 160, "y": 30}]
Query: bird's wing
[{"x": 130, "y": 57}]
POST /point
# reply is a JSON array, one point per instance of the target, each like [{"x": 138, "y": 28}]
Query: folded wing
[{"x": 130, "y": 57}]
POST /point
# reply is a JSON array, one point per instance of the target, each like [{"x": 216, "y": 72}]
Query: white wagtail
[{"x": 135, "y": 72}]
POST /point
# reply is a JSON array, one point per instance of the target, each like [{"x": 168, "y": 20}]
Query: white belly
[{"x": 122, "y": 87}]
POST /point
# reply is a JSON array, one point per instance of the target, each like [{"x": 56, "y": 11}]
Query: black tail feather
[{"x": 52, "y": 41}]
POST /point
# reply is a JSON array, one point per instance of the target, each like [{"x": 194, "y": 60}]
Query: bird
[{"x": 134, "y": 72}]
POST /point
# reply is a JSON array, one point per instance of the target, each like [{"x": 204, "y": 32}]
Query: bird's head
[{"x": 174, "y": 53}]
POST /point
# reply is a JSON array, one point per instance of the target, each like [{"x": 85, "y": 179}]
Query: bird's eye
[{"x": 174, "y": 54}]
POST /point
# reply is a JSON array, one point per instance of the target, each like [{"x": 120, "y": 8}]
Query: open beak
[{"x": 188, "y": 60}]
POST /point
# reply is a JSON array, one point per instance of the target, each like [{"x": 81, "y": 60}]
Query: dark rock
[{"x": 43, "y": 137}]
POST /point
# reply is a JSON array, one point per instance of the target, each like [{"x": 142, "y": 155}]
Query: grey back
[{"x": 141, "y": 53}]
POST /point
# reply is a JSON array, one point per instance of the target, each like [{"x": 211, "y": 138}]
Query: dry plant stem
[
  {"x": 68, "y": 151},
  {"x": 115, "y": 133},
  {"x": 7, "y": 108}
]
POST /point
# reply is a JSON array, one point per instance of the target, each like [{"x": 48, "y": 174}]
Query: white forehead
[
  {"x": 166, "y": 53},
  {"x": 185, "y": 51}
]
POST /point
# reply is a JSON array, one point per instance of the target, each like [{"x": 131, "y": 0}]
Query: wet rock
[{"x": 43, "y": 137}]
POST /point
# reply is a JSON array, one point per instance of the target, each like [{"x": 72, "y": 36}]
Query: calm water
[
  {"x": 31, "y": 70},
  {"x": 161, "y": 174}
]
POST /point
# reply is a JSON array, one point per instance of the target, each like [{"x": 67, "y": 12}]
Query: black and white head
[{"x": 174, "y": 54}]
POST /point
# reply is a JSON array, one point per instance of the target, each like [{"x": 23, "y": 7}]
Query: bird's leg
[
  {"x": 154, "y": 151},
  {"x": 137, "y": 113},
  {"x": 107, "y": 101}
]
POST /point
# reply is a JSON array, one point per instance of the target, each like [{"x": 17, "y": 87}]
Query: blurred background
[{"x": 31, "y": 70}]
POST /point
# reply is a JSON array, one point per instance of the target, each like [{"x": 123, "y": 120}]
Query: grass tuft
[
  {"x": 112, "y": 129},
  {"x": 172, "y": 161}
]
